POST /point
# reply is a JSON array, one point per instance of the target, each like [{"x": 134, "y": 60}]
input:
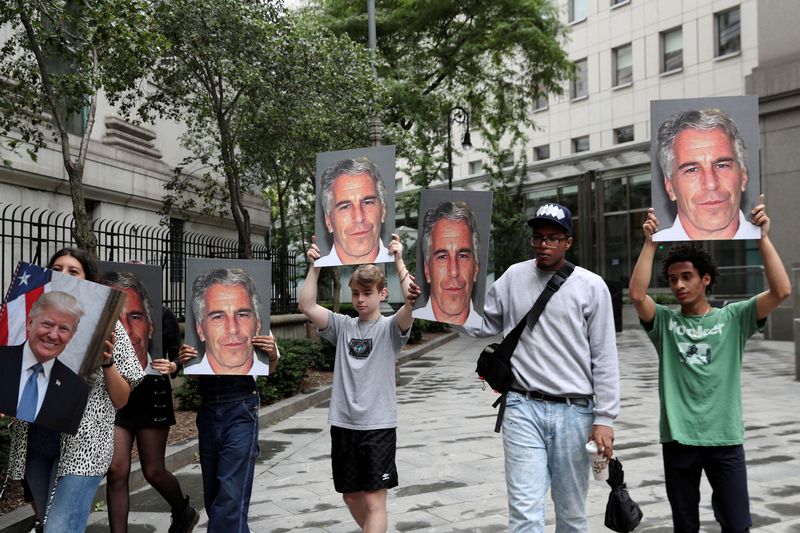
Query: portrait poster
[
  {"x": 71, "y": 354},
  {"x": 452, "y": 255},
  {"x": 236, "y": 295},
  {"x": 149, "y": 276},
  {"x": 355, "y": 206},
  {"x": 708, "y": 197}
]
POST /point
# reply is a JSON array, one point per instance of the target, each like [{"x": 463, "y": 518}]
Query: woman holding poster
[{"x": 65, "y": 470}]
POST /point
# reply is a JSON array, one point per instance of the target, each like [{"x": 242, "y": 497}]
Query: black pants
[{"x": 726, "y": 472}]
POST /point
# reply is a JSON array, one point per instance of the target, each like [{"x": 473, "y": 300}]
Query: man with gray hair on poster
[
  {"x": 227, "y": 315},
  {"x": 702, "y": 157},
  {"x": 450, "y": 242},
  {"x": 354, "y": 207}
]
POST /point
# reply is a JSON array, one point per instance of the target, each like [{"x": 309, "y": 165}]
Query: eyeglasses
[{"x": 550, "y": 241}]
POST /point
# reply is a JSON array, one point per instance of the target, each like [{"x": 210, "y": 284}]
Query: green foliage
[
  {"x": 188, "y": 394},
  {"x": 421, "y": 326},
  {"x": 664, "y": 298},
  {"x": 344, "y": 308},
  {"x": 509, "y": 233},
  {"x": 261, "y": 92},
  {"x": 495, "y": 58},
  {"x": 58, "y": 56},
  {"x": 292, "y": 368},
  {"x": 220, "y": 55}
]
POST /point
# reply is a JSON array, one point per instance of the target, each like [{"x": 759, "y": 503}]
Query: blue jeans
[
  {"x": 544, "y": 447},
  {"x": 228, "y": 438},
  {"x": 71, "y": 504},
  {"x": 41, "y": 463}
]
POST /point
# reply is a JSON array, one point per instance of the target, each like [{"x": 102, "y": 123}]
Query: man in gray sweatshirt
[{"x": 566, "y": 378}]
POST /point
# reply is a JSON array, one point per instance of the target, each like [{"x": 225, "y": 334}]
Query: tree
[
  {"x": 494, "y": 57},
  {"x": 60, "y": 55},
  {"x": 320, "y": 101},
  {"x": 508, "y": 203},
  {"x": 219, "y": 56}
]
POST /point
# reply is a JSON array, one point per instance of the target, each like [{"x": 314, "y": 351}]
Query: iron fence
[{"x": 34, "y": 234}]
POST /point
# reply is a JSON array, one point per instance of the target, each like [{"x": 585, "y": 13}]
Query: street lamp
[{"x": 457, "y": 115}]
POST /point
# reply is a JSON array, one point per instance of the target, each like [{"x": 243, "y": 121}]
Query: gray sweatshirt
[{"x": 572, "y": 351}]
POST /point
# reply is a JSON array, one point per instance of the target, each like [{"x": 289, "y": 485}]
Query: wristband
[{"x": 109, "y": 365}]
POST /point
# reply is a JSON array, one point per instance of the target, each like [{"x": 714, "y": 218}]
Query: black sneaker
[{"x": 184, "y": 520}]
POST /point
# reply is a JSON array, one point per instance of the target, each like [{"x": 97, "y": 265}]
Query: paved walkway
[{"x": 451, "y": 465}]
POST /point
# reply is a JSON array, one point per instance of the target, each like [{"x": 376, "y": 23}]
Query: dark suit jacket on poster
[{"x": 64, "y": 400}]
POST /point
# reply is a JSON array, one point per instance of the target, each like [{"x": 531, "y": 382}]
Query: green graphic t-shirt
[{"x": 699, "y": 369}]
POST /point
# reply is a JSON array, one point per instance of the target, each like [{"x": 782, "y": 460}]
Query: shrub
[
  {"x": 293, "y": 366},
  {"x": 188, "y": 395}
]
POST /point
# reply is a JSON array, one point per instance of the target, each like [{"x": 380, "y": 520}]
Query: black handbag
[
  {"x": 494, "y": 362},
  {"x": 622, "y": 513}
]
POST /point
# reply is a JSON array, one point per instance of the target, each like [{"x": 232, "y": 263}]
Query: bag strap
[
  {"x": 510, "y": 341},
  {"x": 556, "y": 281}
]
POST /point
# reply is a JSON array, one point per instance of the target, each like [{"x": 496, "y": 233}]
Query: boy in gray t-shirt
[{"x": 363, "y": 412}]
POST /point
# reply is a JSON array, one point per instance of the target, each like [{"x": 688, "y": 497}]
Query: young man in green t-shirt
[{"x": 700, "y": 355}]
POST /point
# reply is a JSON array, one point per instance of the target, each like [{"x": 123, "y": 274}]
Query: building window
[
  {"x": 729, "y": 32},
  {"x": 623, "y": 134},
  {"x": 475, "y": 167},
  {"x": 541, "y": 152},
  {"x": 580, "y": 144},
  {"x": 398, "y": 184},
  {"x": 508, "y": 160},
  {"x": 672, "y": 50},
  {"x": 579, "y": 86},
  {"x": 541, "y": 103},
  {"x": 619, "y": 2},
  {"x": 577, "y": 10},
  {"x": 623, "y": 65}
]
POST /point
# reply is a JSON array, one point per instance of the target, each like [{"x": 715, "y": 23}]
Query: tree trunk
[{"x": 82, "y": 233}]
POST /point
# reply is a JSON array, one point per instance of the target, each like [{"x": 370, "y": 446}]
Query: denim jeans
[
  {"x": 41, "y": 463},
  {"x": 71, "y": 504},
  {"x": 544, "y": 447},
  {"x": 228, "y": 438}
]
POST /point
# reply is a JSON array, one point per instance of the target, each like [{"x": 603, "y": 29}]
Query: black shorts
[
  {"x": 149, "y": 405},
  {"x": 363, "y": 460}
]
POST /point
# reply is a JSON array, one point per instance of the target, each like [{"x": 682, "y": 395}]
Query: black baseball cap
[{"x": 554, "y": 213}]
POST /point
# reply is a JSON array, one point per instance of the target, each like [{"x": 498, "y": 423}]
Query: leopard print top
[{"x": 89, "y": 451}]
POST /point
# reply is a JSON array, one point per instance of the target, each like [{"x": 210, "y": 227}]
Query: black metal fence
[{"x": 33, "y": 235}]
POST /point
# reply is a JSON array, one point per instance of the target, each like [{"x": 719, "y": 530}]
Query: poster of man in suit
[{"x": 52, "y": 333}]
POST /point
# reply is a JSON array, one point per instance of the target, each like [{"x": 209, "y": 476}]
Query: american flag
[{"x": 30, "y": 282}]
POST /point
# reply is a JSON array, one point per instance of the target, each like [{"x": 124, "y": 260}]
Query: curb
[{"x": 179, "y": 455}]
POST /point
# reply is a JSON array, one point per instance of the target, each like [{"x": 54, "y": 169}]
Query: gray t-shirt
[{"x": 363, "y": 394}]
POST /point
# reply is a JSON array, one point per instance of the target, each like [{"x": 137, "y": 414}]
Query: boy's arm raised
[
  {"x": 317, "y": 314},
  {"x": 643, "y": 271},
  {"x": 409, "y": 288}
]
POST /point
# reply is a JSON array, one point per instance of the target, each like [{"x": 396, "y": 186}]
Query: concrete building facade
[
  {"x": 126, "y": 169},
  {"x": 591, "y": 150}
]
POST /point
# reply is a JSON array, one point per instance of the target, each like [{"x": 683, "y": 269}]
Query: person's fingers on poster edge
[
  {"x": 395, "y": 246},
  {"x": 108, "y": 353},
  {"x": 164, "y": 366},
  {"x": 313, "y": 252},
  {"x": 760, "y": 217},
  {"x": 266, "y": 343},
  {"x": 650, "y": 225},
  {"x": 186, "y": 353}
]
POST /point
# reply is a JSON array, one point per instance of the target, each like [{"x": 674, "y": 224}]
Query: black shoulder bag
[{"x": 494, "y": 362}]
